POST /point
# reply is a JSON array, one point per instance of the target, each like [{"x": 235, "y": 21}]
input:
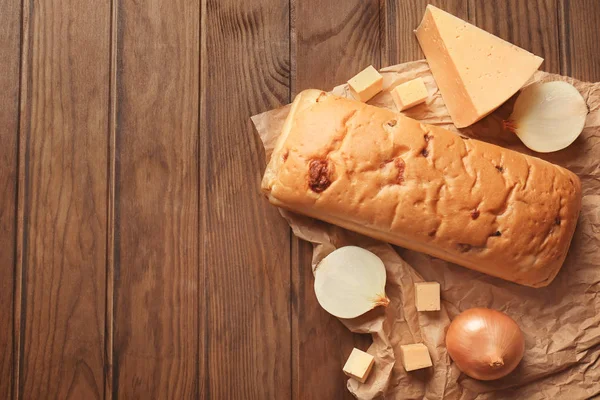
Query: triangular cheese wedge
[{"x": 475, "y": 71}]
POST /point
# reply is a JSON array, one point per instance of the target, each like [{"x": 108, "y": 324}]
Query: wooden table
[{"x": 138, "y": 259}]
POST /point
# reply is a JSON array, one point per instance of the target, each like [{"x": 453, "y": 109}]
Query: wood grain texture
[
  {"x": 111, "y": 208},
  {"x": 331, "y": 42},
  {"x": 579, "y": 22},
  {"x": 531, "y": 25},
  {"x": 155, "y": 341},
  {"x": 400, "y": 18},
  {"x": 245, "y": 250},
  {"x": 203, "y": 323},
  {"x": 63, "y": 135},
  {"x": 10, "y": 37}
]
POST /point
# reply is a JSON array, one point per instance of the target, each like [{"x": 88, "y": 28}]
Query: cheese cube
[
  {"x": 358, "y": 365},
  {"x": 427, "y": 296},
  {"x": 415, "y": 356},
  {"x": 409, "y": 94},
  {"x": 366, "y": 84},
  {"x": 475, "y": 71}
]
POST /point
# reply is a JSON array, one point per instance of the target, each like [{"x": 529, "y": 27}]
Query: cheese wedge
[{"x": 475, "y": 71}]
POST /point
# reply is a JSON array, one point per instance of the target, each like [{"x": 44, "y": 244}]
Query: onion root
[
  {"x": 382, "y": 301},
  {"x": 509, "y": 125},
  {"x": 497, "y": 363}
]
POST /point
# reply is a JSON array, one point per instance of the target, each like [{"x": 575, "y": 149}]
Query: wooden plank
[
  {"x": 155, "y": 338},
  {"x": 332, "y": 41},
  {"x": 109, "y": 377},
  {"x": 398, "y": 21},
  {"x": 62, "y": 199},
  {"x": 579, "y": 22},
  {"x": 10, "y": 37},
  {"x": 203, "y": 323},
  {"x": 245, "y": 249},
  {"x": 531, "y": 25}
]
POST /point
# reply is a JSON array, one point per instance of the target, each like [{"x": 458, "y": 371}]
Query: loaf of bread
[{"x": 421, "y": 187}]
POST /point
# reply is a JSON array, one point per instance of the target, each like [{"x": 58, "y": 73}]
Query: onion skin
[{"x": 485, "y": 344}]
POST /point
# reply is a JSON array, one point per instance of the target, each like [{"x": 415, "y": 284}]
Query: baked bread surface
[{"x": 425, "y": 188}]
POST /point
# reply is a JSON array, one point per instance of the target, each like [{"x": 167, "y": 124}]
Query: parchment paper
[{"x": 561, "y": 322}]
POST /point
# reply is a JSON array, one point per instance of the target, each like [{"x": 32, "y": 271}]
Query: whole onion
[{"x": 485, "y": 344}]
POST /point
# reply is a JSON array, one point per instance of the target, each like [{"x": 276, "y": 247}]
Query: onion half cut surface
[
  {"x": 548, "y": 116},
  {"x": 350, "y": 281}
]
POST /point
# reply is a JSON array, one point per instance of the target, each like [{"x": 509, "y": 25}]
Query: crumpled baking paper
[{"x": 561, "y": 322}]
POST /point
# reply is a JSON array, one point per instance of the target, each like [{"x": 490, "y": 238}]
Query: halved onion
[
  {"x": 548, "y": 116},
  {"x": 350, "y": 281}
]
